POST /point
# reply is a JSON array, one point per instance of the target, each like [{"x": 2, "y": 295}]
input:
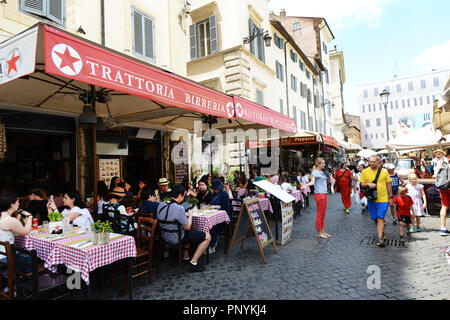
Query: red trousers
[
  {"x": 346, "y": 192},
  {"x": 321, "y": 203}
]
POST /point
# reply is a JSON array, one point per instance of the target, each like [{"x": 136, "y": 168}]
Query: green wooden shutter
[
  {"x": 252, "y": 43},
  {"x": 34, "y": 6},
  {"x": 214, "y": 44},
  {"x": 138, "y": 43},
  {"x": 148, "y": 38},
  {"x": 56, "y": 10},
  {"x": 193, "y": 41}
]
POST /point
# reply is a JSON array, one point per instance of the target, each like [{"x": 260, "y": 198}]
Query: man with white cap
[
  {"x": 396, "y": 181},
  {"x": 164, "y": 190}
]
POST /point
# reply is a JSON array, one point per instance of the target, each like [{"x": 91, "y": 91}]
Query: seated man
[
  {"x": 220, "y": 198},
  {"x": 149, "y": 204},
  {"x": 173, "y": 211},
  {"x": 164, "y": 190}
]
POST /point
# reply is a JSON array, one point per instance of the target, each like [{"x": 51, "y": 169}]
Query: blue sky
[{"x": 381, "y": 38}]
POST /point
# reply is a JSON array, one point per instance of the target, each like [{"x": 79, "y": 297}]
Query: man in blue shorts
[{"x": 378, "y": 207}]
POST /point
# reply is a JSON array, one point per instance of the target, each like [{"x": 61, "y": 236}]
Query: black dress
[{"x": 38, "y": 209}]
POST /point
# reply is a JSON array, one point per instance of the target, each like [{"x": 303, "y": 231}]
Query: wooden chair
[
  {"x": 7, "y": 279},
  {"x": 163, "y": 226},
  {"x": 32, "y": 280},
  {"x": 145, "y": 238}
]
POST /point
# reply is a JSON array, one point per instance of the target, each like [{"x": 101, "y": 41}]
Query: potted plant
[
  {"x": 55, "y": 223},
  {"x": 101, "y": 232}
]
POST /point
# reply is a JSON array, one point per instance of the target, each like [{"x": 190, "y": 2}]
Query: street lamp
[
  {"x": 267, "y": 38},
  {"x": 385, "y": 99}
]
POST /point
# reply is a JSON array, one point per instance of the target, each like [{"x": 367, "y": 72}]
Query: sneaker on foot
[
  {"x": 411, "y": 229},
  {"x": 418, "y": 229},
  {"x": 186, "y": 262},
  {"x": 444, "y": 232},
  {"x": 394, "y": 222},
  {"x": 347, "y": 211},
  {"x": 196, "y": 268},
  {"x": 380, "y": 243},
  {"x": 211, "y": 250}
]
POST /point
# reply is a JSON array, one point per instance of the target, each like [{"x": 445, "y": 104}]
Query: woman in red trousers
[{"x": 343, "y": 178}]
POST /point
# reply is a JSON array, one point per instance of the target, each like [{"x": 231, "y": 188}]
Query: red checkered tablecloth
[
  {"x": 80, "y": 260},
  {"x": 206, "y": 222},
  {"x": 298, "y": 196},
  {"x": 90, "y": 258}
]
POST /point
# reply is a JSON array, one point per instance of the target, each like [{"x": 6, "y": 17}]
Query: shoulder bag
[{"x": 371, "y": 193}]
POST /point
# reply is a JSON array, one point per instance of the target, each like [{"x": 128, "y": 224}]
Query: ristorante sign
[
  {"x": 73, "y": 58},
  {"x": 253, "y": 112}
]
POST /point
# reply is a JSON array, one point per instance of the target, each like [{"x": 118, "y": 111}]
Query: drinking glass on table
[{"x": 45, "y": 226}]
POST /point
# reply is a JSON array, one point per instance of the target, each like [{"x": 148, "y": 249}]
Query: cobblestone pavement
[{"x": 311, "y": 268}]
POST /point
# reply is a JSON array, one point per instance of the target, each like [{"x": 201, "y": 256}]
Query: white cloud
[
  {"x": 434, "y": 58},
  {"x": 342, "y": 14}
]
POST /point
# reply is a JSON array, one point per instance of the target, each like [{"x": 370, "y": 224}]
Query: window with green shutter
[
  {"x": 53, "y": 10},
  {"x": 203, "y": 38},
  {"x": 143, "y": 36}
]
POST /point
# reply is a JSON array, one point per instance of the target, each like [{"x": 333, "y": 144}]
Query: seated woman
[
  {"x": 203, "y": 195},
  {"x": 143, "y": 184},
  {"x": 10, "y": 224},
  {"x": 77, "y": 212},
  {"x": 37, "y": 205},
  {"x": 114, "y": 204},
  {"x": 102, "y": 197}
]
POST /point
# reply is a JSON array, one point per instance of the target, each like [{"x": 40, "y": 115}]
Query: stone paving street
[{"x": 311, "y": 268}]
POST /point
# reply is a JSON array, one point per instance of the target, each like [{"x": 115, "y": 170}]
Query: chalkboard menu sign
[
  {"x": 252, "y": 215},
  {"x": 181, "y": 167}
]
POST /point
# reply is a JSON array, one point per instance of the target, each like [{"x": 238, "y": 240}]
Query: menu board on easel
[
  {"x": 181, "y": 167},
  {"x": 287, "y": 218},
  {"x": 252, "y": 214},
  {"x": 108, "y": 168}
]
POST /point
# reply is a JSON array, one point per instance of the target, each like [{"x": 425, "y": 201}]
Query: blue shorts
[
  {"x": 194, "y": 236},
  {"x": 377, "y": 210}
]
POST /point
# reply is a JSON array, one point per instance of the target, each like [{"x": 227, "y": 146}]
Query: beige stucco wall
[{"x": 171, "y": 40}]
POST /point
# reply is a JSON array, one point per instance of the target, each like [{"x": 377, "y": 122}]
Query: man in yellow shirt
[{"x": 379, "y": 207}]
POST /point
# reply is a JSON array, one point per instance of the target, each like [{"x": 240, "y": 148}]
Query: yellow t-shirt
[{"x": 368, "y": 175}]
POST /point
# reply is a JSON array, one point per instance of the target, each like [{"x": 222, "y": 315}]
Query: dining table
[
  {"x": 206, "y": 219},
  {"x": 76, "y": 251}
]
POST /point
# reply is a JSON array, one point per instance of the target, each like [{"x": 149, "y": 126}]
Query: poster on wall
[
  {"x": 107, "y": 169},
  {"x": 181, "y": 160},
  {"x": 409, "y": 123},
  {"x": 287, "y": 219}
]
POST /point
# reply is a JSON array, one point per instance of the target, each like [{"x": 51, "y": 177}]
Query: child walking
[
  {"x": 405, "y": 206},
  {"x": 417, "y": 193}
]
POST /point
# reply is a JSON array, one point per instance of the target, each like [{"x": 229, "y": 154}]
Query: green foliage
[
  {"x": 55, "y": 216},
  {"x": 102, "y": 227}
]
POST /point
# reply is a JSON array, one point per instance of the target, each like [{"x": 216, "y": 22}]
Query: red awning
[
  {"x": 250, "y": 111},
  {"x": 73, "y": 58},
  {"x": 330, "y": 141}
]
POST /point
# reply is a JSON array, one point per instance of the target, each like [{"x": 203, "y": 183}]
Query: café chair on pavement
[
  {"x": 33, "y": 281},
  {"x": 163, "y": 227},
  {"x": 7, "y": 271}
]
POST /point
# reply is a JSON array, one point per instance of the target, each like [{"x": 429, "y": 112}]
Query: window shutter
[
  {"x": 193, "y": 40},
  {"x": 252, "y": 43},
  {"x": 138, "y": 36},
  {"x": 34, "y": 6},
  {"x": 213, "y": 32},
  {"x": 55, "y": 10},
  {"x": 149, "y": 41},
  {"x": 261, "y": 47}
]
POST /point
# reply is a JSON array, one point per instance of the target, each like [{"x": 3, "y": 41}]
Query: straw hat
[
  {"x": 118, "y": 193},
  {"x": 438, "y": 150},
  {"x": 163, "y": 181}
]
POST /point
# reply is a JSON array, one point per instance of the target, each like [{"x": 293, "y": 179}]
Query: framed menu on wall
[
  {"x": 108, "y": 168},
  {"x": 181, "y": 167}
]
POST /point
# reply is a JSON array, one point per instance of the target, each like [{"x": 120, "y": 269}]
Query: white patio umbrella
[
  {"x": 384, "y": 151},
  {"x": 366, "y": 153}
]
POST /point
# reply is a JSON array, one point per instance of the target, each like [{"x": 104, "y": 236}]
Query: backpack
[
  {"x": 371, "y": 193},
  {"x": 443, "y": 177}
]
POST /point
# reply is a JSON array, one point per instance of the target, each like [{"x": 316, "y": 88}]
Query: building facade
[
  {"x": 410, "y": 106},
  {"x": 353, "y": 133},
  {"x": 335, "y": 108}
]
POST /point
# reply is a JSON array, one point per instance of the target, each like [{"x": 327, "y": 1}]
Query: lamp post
[{"x": 385, "y": 99}]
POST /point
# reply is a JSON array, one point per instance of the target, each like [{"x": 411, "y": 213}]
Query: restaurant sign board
[{"x": 252, "y": 215}]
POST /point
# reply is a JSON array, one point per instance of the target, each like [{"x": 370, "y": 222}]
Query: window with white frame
[
  {"x": 293, "y": 83},
  {"x": 281, "y": 106},
  {"x": 294, "y": 56},
  {"x": 423, "y": 84},
  {"x": 436, "y": 82},
  {"x": 367, "y": 123},
  {"x": 259, "y": 97},
  {"x": 203, "y": 38},
  {"x": 280, "y": 71},
  {"x": 54, "y": 10},
  {"x": 410, "y": 86},
  {"x": 294, "y": 113},
  {"x": 302, "y": 120},
  {"x": 366, "y": 93},
  {"x": 143, "y": 36},
  {"x": 257, "y": 45},
  {"x": 378, "y": 122},
  {"x": 296, "y": 26}
]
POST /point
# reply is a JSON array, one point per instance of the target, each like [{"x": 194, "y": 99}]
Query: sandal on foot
[
  {"x": 328, "y": 235},
  {"x": 323, "y": 236}
]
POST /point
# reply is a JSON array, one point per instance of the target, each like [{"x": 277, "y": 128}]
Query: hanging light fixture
[{"x": 87, "y": 116}]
